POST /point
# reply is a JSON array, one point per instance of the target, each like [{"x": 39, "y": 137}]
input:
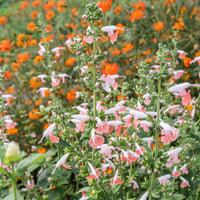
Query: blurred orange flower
[
  {"x": 34, "y": 14},
  {"x": 118, "y": 9},
  {"x": 3, "y": 20},
  {"x": 24, "y": 4},
  {"x": 110, "y": 69},
  {"x": 5, "y": 45},
  {"x": 49, "y": 15},
  {"x": 31, "y": 26},
  {"x": 61, "y": 6},
  {"x": 35, "y": 82},
  {"x": 15, "y": 67},
  {"x": 127, "y": 47},
  {"x": 12, "y": 131},
  {"x": 50, "y": 4},
  {"x": 37, "y": 59},
  {"x": 179, "y": 24},
  {"x": 136, "y": 15},
  {"x": 187, "y": 61},
  {"x": 105, "y": 5},
  {"x": 139, "y": 6},
  {"x": 159, "y": 26},
  {"x": 71, "y": 95},
  {"x": 23, "y": 57},
  {"x": 36, "y": 3},
  {"x": 70, "y": 62},
  {"x": 34, "y": 114}
]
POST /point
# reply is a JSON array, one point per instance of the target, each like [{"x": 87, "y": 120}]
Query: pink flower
[
  {"x": 110, "y": 29},
  {"x": 186, "y": 99},
  {"x": 185, "y": 183},
  {"x": 42, "y": 49},
  {"x": 164, "y": 179},
  {"x": 182, "y": 54},
  {"x": 48, "y": 131},
  {"x": 93, "y": 174},
  {"x": 61, "y": 162},
  {"x": 175, "y": 172},
  {"x": 42, "y": 91},
  {"x": 30, "y": 185},
  {"x": 9, "y": 123},
  {"x": 42, "y": 76},
  {"x": 116, "y": 180},
  {"x": 57, "y": 50},
  {"x": 54, "y": 139},
  {"x": 197, "y": 59},
  {"x": 178, "y": 74},
  {"x": 88, "y": 39},
  {"x": 184, "y": 169},
  {"x": 63, "y": 76},
  {"x": 95, "y": 140}
]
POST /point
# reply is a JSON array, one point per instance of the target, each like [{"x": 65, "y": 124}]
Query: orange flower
[
  {"x": 34, "y": 114},
  {"x": 71, "y": 95},
  {"x": 41, "y": 150},
  {"x": 48, "y": 28},
  {"x": 34, "y": 14},
  {"x": 47, "y": 39},
  {"x": 36, "y": 3},
  {"x": 74, "y": 11},
  {"x": 15, "y": 67},
  {"x": 183, "y": 9},
  {"x": 49, "y": 15},
  {"x": 12, "y": 131},
  {"x": 121, "y": 97},
  {"x": 21, "y": 36},
  {"x": 31, "y": 26},
  {"x": 24, "y": 5},
  {"x": 169, "y": 2},
  {"x": 32, "y": 42},
  {"x": 23, "y": 57},
  {"x": 3, "y": 20},
  {"x": 127, "y": 47},
  {"x": 187, "y": 61},
  {"x": 128, "y": 72},
  {"x": 179, "y": 24},
  {"x": 61, "y": 6},
  {"x": 115, "y": 51},
  {"x": 105, "y": 5},
  {"x": 118, "y": 9},
  {"x": 137, "y": 14},
  {"x": 35, "y": 82},
  {"x": 50, "y": 4},
  {"x": 70, "y": 62},
  {"x": 10, "y": 90},
  {"x": 110, "y": 69},
  {"x": 139, "y": 6},
  {"x": 119, "y": 25},
  {"x": 8, "y": 74},
  {"x": 158, "y": 26},
  {"x": 1, "y": 60},
  {"x": 38, "y": 102},
  {"x": 37, "y": 59},
  {"x": 5, "y": 45},
  {"x": 186, "y": 76},
  {"x": 28, "y": 102}
]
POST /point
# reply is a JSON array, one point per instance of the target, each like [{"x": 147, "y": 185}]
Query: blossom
[
  {"x": 164, "y": 179},
  {"x": 116, "y": 179},
  {"x": 185, "y": 183},
  {"x": 144, "y": 196},
  {"x": 48, "y": 131},
  {"x": 182, "y": 54},
  {"x": 95, "y": 140},
  {"x": 175, "y": 172},
  {"x": 61, "y": 162},
  {"x": 184, "y": 169},
  {"x": 57, "y": 50},
  {"x": 110, "y": 29},
  {"x": 197, "y": 59},
  {"x": 93, "y": 174}
]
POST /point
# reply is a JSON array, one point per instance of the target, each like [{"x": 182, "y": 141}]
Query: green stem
[
  {"x": 94, "y": 91},
  {"x": 105, "y": 192},
  {"x": 157, "y": 131},
  {"x": 14, "y": 185}
]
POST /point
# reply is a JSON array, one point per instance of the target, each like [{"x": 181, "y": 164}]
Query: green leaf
[
  {"x": 178, "y": 197},
  {"x": 2, "y": 153},
  {"x": 32, "y": 159},
  {"x": 43, "y": 178},
  {"x": 11, "y": 197},
  {"x": 3, "y": 171}
]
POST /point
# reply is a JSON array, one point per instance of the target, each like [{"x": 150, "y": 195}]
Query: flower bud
[{"x": 12, "y": 153}]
